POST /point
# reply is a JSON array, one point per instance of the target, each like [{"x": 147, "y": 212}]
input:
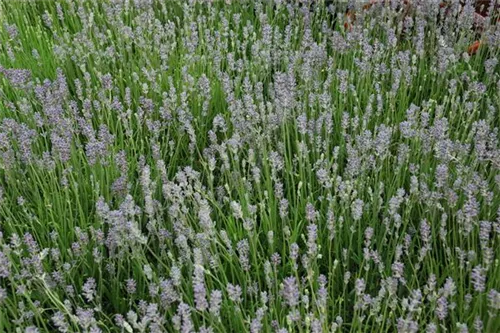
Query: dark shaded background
[{"x": 481, "y": 5}]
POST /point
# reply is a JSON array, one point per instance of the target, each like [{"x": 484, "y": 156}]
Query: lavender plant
[{"x": 249, "y": 166}]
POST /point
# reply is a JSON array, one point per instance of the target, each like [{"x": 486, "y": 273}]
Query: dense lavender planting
[{"x": 249, "y": 166}]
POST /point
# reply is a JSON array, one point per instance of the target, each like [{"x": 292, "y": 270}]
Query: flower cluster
[{"x": 249, "y": 166}]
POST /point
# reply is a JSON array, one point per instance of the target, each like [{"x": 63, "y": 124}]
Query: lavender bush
[{"x": 249, "y": 166}]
